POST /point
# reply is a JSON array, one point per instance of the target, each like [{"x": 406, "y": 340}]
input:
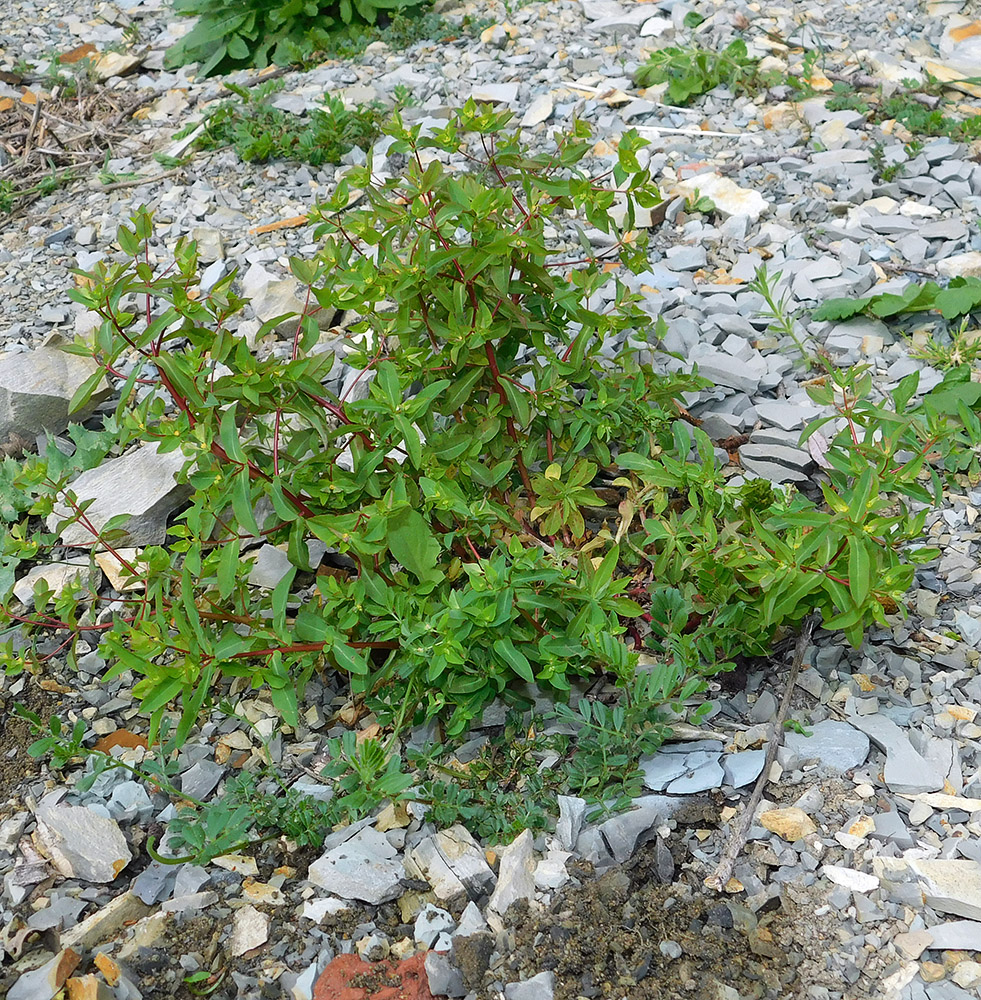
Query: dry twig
[{"x": 719, "y": 879}]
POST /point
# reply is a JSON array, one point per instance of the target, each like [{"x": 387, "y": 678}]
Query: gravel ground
[{"x": 862, "y": 872}]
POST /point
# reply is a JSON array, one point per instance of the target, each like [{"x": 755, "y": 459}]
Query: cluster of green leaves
[
  {"x": 732, "y": 567},
  {"x": 235, "y": 34},
  {"x": 690, "y": 71},
  {"x": 960, "y": 297},
  {"x": 260, "y": 132},
  {"x": 13, "y": 195}
]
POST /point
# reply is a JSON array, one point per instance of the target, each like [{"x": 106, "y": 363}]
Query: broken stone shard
[
  {"x": 952, "y": 886},
  {"x": 81, "y": 843},
  {"x": 35, "y": 390},
  {"x": 142, "y": 483},
  {"x": 516, "y": 878},
  {"x": 365, "y": 867},
  {"x": 250, "y": 930},
  {"x": 906, "y": 770}
]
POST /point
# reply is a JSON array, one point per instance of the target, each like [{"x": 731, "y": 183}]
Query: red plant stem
[{"x": 309, "y": 647}]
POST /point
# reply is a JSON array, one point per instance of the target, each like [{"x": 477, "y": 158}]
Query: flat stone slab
[
  {"x": 951, "y": 886},
  {"x": 957, "y": 935},
  {"x": 35, "y": 390},
  {"x": 836, "y": 745},
  {"x": 81, "y": 843},
  {"x": 142, "y": 483},
  {"x": 365, "y": 867},
  {"x": 906, "y": 770}
]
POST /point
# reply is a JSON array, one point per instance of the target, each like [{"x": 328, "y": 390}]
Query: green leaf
[
  {"x": 836, "y": 310},
  {"x": 411, "y": 542},
  {"x": 351, "y": 660},
  {"x": 237, "y": 47},
  {"x": 242, "y": 502},
  {"x": 859, "y": 570},
  {"x": 514, "y": 658},
  {"x": 229, "y": 437},
  {"x": 84, "y": 393},
  {"x": 228, "y": 567}
]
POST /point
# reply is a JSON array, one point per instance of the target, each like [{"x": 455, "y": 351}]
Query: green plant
[
  {"x": 12, "y": 196},
  {"x": 960, "y": 297},
  {"x": 232, "y": 34},
  {"x": 454, "y": 600},
  {"x": 107, "y": 176},
  {"x": 782, "y": 320},
  {"x": 698, "y": 202},
  {"x": 507, "y": 505},
  {"x": 945, "y": 351},
  {"x": 690, "y": 71},
  {"x": 260, "y": 132}
]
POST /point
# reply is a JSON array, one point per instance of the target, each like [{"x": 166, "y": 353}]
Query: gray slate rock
[
  {"x": 36, "y": 388},
  {"x": 516, "y": 876},
  {"x": 201, "y": 779},
  {"x": 906, "y": 770},
  {"x": 660, "y": 770},
  {"x": 957, "y": 935},
  {"x": 540, "y": 987},
  {"x": 702, "y": 772},
  {"x": 627, "y": 831},
  {"x": 366, "y": 867},
  {"x": 572, "y": 809},
  {"x": 45, "y": 982},
  {"x": 141, "y": 483},
  {"x": 836, "y": 745},
  {"x": 445, "y": 979},
  {"x": 744, "y": 767}
]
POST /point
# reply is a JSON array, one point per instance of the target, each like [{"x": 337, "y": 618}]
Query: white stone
[
  {"x": 516, "y": 876},
  {"x": 109, "y": 64},
  {"x": 36, "y": 388},
  {"x": 57, "y": 576},
  {"x": 850, "y": 878},
  {"x": 539, "y": 110},
  {"x": 250, "y": 930},
  {"x": 81, "y": 843},
  {"x": 727, "y": 196},
  {"x": 495, "y": 93},
  {"x": 953, "y": 886},
  {"x": 966, "y": 265},
  {"x": 365, "y": 867}
]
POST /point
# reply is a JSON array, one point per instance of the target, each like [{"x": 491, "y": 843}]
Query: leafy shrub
[
  {"x": 234, "y": 34},
  {"x": 511, "y": 502},
  {"x": 960, "y": 297}
]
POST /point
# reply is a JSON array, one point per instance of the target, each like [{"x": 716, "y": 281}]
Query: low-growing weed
[
  {"x": 260, "y": 132},
  {"x": 233, "y": 34},
  {"x": 691, "y": 71}
]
